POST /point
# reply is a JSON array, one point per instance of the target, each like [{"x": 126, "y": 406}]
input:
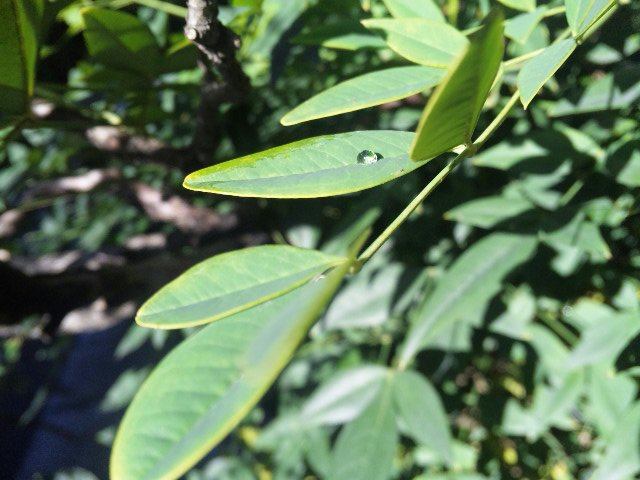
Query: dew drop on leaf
[{"x": 368, "y": 157}]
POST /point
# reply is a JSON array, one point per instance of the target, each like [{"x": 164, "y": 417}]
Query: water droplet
[{"x": 368, "y": 157}]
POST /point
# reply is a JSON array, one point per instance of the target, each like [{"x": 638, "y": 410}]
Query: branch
[{"x": 217, "y": 45}]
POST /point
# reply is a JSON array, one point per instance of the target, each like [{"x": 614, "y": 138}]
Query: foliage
[{"x": 487, "y": 309}]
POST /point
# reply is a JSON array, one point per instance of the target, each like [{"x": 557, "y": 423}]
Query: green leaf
[
  {"x": 415, "y": 8},
  {"x": 623, "y": 163},
  {"x": 582, "y": 14},
  {"x": 537, "y": 71},
  {"x": 366, "y": 447},
  {"x": 232, "y": 282},
  {"x": 520, "y": 27},
  {"x": 604, "y": 341},
  {"x": 121, "y": 41},
  {"x": 524, "y": 5},
  {"x": 19, "y": 23},
  {"x": 344, "y": 35},
  {"x": 366, "y": 91},
  {"x": 452, "y": 112},
  {"x": 422, "y": 413},
  {"x": 343, "y": 397},
  {"x": 474, "y": 278},
  {"x": 204, "y": 387},
  {"x": 426, "y": 42},
  {"x": 621, "y": 460},
  {"x": 487, "y": 212},
  {"x": 315, "y": 167}
]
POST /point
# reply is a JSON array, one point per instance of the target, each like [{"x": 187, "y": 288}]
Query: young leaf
[
  {"x": 316, "y": 167},
  {"x": 19, "y": 23},
  {"x": 452, "y": 112},
  {"x": 366, "y": 91},
  {"x": 425, "y": 42},
  {"x": 474, "y": 278},
  {"x": 121, "y": 41},
  {"x": 344, "y": 396},
  {"x": 520, "y": 27},
  {"x": 230, "y": 283},
  {"x": 582, "y": 14},
  {"x": 541, "y": 68},
  {"x": 204, "y": 387},
  {"x": 414, "y": 8},
  {"x": 422, "y": 413},
  {"x": 366, "y": 447}
]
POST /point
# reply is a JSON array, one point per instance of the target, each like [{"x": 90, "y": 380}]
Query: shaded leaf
[
  {"x": 422, "y": 413},
  {"x": 452, "y": 112},
  {"x": 487, "y": 212},
  {"x": 19, "y": 24},
  {"x": 525, "y": 5},
  {"x": 520, "y": 27},
  {"x": 366, "y": 447},
  {"x": 366, "y": 91},
  {"x": 121, "y": 41},
  {"x": 415, "y": 8},
  {"x": 315, "y": 167},
  {"x": 230, "y": 283},
  {"x": 474, "y": 278},
  {"x": 343, "y": 397}
]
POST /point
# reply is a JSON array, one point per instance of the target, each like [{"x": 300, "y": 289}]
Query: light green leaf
[
  {"x": 622, "y": 459},
  {"x": 343, "y": 397},
  {"x": 422, "y": 413},
  {"x": 487, "y": 212},
  {"x": 366, "y": 91},
  {"x": 426, "y": 42},
  {"x": 537, "y": 71},
  {"x": 524, "y": 5},
  {"x": 19, "y": 23},
  {"x": 582, "y": 14},
  {"x": 520, "y": 27},
  {"x": 415, "y": 8},
  {"x": 623, "y": 163},
  {"x": 232, "y": 282},
  {"x": 474, "y": 278},
  {"x": 366, "y": 447},
  {"x": 315, "y": 167},
  {"x": 452, "y": 112},
  {"x": 121, "y": 41},
  {"x": 204, "y": 387},
  {"x": 604, "y": 341}
]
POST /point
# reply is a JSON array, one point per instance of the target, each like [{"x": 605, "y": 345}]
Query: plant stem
[
  {"x": 554, "y": 11},
  {"x": 495, "y": 124},
  {"x": 437, "y": 180},
  {"x": 400, "y": 219}
]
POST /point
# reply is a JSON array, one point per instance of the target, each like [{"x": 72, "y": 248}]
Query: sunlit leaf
[
  {"x": 426, "y": 42},
  {"x": 520, "y": 27},
  {"x": 452, "y": 112},
  {"x": 487, "y": 212},
  {"x": 232, "y": 282},
  {"x": 537, "y": 71},
  {"x": 316, "y": 167},
  {"x": 582, "y": 14},
  {"x": 204, "y": 387},
  {"x": 365, "y": 91}
]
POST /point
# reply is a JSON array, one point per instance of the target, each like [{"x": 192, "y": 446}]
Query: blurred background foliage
[{"x": 538, "y": 378}]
